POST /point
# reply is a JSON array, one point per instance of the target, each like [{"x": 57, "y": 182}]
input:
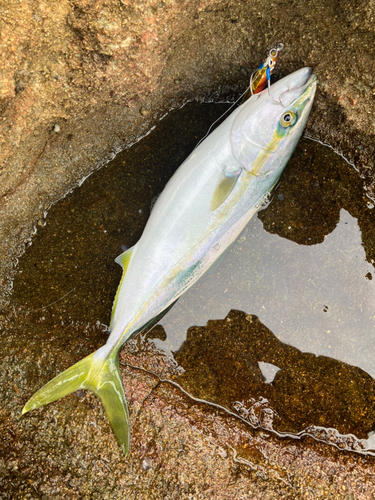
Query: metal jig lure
[{"x": 262, "y": 75}]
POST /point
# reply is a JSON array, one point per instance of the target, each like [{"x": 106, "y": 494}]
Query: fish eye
[{"x": 288, "y": 119}]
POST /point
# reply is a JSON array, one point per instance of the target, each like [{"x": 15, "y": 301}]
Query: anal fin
[{"x": 124, "y": 258}]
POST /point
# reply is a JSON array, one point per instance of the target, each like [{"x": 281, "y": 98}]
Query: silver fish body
[
  {"x": 184, "y": 236},
  {"x": 201, "y": 211}
]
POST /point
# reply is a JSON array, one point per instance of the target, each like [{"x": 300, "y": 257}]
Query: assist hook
[{"x": 257, "y": 82}]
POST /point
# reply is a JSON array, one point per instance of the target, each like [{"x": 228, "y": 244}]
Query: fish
[{"x": 201, "y": 211}]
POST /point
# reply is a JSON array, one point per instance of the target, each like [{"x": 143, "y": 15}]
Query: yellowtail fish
[{"x": 200, "y": 213}]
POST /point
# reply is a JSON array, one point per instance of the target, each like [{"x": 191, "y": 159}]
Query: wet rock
[
  {"x": 67, "y": 448},
  {"x": 306, "y": 390},
  {"x": 3, "y": 469}
]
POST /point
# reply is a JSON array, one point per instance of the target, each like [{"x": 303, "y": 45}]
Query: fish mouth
[
  {"x": 312, "y": 79},
  {"x": 306, "y": 79},
  {"x": 296, "y": 93},
  {"x": 300, "y": 77}
]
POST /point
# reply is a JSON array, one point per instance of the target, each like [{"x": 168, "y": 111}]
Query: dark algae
[{"x": 291, "y": 377}]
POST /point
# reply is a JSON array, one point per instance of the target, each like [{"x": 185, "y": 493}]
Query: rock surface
[
  {"x": 181, "y": 448},
  {"x": 78, "y": 82}
]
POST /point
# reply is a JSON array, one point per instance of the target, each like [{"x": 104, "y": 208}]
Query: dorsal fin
[
  {"x": 123, "y": 259},
  {"x": 224, "y": 187}
]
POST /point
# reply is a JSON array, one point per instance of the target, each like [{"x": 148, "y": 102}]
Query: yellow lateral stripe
[{"x": 265, "y": 154}]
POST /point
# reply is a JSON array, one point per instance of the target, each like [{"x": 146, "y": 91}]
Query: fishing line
[
  {"x": 51, "y": 304},
  {"x": 221, "y": 116}
]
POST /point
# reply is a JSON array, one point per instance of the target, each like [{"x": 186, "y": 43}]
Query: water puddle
[{"x": 281, "y": 333}]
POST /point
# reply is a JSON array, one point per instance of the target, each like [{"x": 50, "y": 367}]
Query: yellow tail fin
[{"x": 99, "y": 374}]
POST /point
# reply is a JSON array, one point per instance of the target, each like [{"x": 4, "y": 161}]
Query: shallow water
[{"x": 296, "y": 350}]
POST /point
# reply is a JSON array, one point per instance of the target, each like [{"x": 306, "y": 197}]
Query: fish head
[{"x": 264, "y": 134}]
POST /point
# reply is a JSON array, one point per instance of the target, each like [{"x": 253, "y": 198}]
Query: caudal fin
[{"x": 99, "y": 374}]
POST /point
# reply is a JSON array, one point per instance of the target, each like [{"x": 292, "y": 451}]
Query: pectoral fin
[{"x": 224, "y": 188}]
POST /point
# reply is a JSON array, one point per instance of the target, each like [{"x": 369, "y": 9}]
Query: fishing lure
[{"x": 262, "y": 76}]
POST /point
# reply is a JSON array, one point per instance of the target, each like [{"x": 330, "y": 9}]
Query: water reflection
[
  {"x": 224, "y": 363},
  {"x": 317, "y": 298}
]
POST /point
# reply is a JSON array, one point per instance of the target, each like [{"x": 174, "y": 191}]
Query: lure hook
[{"x": 263, "y": 73}]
